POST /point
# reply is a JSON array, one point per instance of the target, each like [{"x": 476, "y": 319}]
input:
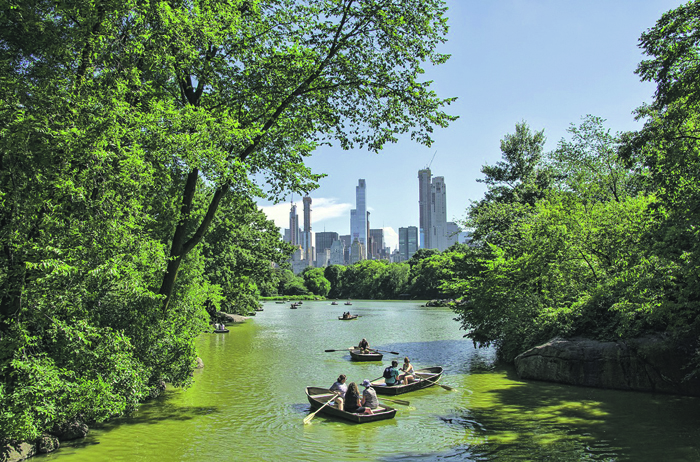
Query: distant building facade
[
  {"x": 376, "y": 244},
  {"x": 357, "y": 251},
  {"x": 325, "y": 239},
  {"x": 337, "y": 252},
  {"x": 408, "y": 242}
]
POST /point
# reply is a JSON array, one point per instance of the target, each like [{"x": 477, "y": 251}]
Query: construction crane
[{"x": 431, "y": 160}]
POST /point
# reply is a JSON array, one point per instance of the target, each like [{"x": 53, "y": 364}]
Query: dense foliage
[
  {"x": 135, "y": 137},
  {"x": 599, "y": 237}
]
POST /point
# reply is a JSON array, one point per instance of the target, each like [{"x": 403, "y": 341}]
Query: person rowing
[
  {"x": 363, "y": 346},
  {"x": 340, "y": 387}
]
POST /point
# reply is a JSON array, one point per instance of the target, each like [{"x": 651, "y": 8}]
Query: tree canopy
[{"x": 128, "y": 128}]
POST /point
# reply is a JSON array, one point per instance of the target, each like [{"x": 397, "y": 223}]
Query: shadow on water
[
  {"x": 164, "y": 408},
  {"x": 455, "y": 356}
]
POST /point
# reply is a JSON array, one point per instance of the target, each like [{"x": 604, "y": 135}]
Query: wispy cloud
[
  {"x": 322, "y": 208},
  {"x": 391, "y": 238}
]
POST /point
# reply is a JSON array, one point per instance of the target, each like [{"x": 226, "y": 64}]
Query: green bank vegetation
[
  {"x": 599, "y": 237},
  {"x": 136, "y": 137}
]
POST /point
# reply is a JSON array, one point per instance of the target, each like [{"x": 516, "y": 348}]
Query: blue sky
[{"x": 548, "y": 62}]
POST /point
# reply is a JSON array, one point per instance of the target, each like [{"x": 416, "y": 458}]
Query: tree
[
  {"x": 334, "y": 275},
  {"x": 513, "y": 185},
  {"x": 315, "y": 281},
  {"x": 589, "y": 164},
  {"x": 125, "y": 127},
  {"x": 239, "y": 250},
  {"x": 668, "y": 145},
  {"x": 291, "y": 284}
]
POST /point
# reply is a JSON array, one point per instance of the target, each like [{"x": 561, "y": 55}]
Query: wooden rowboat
[
  {"x": 357, "y": 355},
  {"x": 319, "y": 396},
  {"x": 349, "y": 318},
  {"x": 426, "y": 377},
  {"x": 221, "y": 331}
]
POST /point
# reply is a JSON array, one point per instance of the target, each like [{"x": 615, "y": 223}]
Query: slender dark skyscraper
[
  {"x": 425, "y": 223},
  {"x": 293, "y": 225},
  {"x": 307, "y": 239}
]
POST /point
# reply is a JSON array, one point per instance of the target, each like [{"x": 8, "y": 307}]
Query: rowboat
[
  {"x": 426, "y": 377},
  {"x": 357, "y": 355},
  {"x": 221, "y": 331},
  {"x": 347, "y": 303},
  {"x": 349, "y": 318},
  {"x": 319, "y": 396},
  {"x": 293, "y": 307},
  {"x": 334, "y": 303}
]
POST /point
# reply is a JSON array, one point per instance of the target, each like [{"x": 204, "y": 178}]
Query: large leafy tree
[
  {"x": 514, "y": 185},
  {"x": 564, "y": 261},
  {"x": 669, "y": 147},
  {"x": 239, "y": 251},
  {"x": 125, "y": 127}
]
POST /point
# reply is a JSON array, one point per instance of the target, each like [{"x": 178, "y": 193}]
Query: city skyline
[{"x": 550, "y": 64}]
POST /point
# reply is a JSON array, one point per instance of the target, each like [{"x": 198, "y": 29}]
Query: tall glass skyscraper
[{"x": 358, "y": 216}]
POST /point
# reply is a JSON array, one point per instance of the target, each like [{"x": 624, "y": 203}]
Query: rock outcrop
[
  {"x": 229, "y": 318},
  {"x": 646, "y": 364}
]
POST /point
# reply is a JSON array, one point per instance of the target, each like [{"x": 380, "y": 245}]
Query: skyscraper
[
  {"x": 307, "y": 242},
  {"x": 408, "y": 242},
  {"x": 435, "y": 231},
  {"x": 376, "y": 249},
  {"x": 294, "y": 225},
  {"x": 324, "y": 240},
  {"x": 425, "y": 208},
  {"x": 358, "y": 216}
]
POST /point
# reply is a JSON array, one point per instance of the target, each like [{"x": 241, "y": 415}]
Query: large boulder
[
  {"x": 229, "y": 318},
  {"x": 645, "y": 364},
  {"x": 17, "y": 452},
  {"x": 70, "y": 430}
]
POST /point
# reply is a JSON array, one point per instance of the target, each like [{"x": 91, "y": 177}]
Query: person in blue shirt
[{"x": 391, "y": 374}]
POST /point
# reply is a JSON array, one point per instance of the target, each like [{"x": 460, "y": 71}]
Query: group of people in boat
[
  {"x": 219, "y": 326},
  {"x": 393, "y": 375},
  {"x": 346, "y": 315},
  {"x": 349, "y": 398}
]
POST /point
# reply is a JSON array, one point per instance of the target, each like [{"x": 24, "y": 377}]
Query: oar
[
  {"x": 309, "y": 417},
  {"x": 344, "y": 349},
  {"x": 397, "y": 401},
  {"x": 446, "y": 387},
  {"x": 385, "y": 351}
]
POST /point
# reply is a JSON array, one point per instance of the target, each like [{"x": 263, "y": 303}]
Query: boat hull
[
  {"x": 318, "y": 396},
  {"x": 427, "y": 377},
  {"x": 355, "y": 355},
  {"x": 349, "y": 318}
]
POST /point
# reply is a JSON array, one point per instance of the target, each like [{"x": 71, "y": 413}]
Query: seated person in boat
[
  {"x": 340, "y": 388},
  {"x": 391, "y": 374},
  {"x": 364, "y": 346},
  {"x": 407, "y": 376},
  {"x": 369, "y": 396},
  {"x": 353, "y": 402}
]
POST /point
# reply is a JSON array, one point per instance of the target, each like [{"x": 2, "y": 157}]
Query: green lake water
[{"x": 248, "y": 402}]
